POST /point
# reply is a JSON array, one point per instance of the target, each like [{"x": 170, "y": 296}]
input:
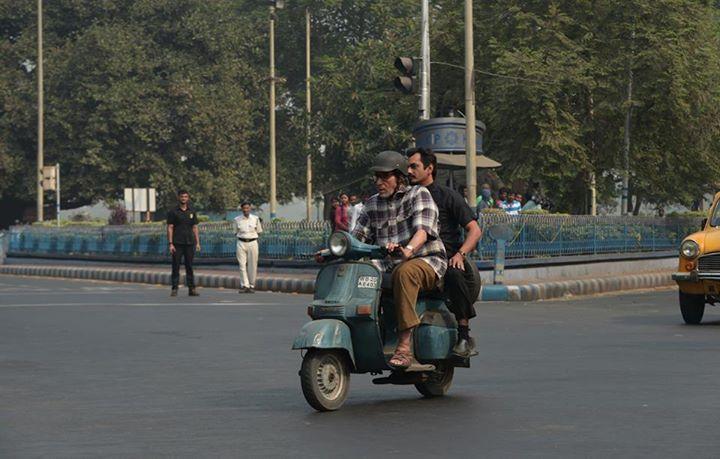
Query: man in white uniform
[
  {"x": 356, "y": 207},
  {"x": 247, "y": 230}
]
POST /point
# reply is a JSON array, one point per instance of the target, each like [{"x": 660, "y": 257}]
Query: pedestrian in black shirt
[
  {"x": 184, "y": 240},
  {"x": 462, "y": 279}
]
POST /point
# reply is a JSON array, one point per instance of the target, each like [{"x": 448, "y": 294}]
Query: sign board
[
  {"x": 49, "y": 182},
  {"x": 140, "y": 199},
  {"x": 446, "y": 135},
  {"x": 49, "y": 172}
]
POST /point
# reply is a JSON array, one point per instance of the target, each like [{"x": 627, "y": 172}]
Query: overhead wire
[{"x": 498, "y": 75}]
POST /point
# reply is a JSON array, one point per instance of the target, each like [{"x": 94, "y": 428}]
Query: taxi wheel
[
  {"x": 439, "y": 381},
  {"x": 325, "y": 378},
  {"x": 692, "y": 307}
]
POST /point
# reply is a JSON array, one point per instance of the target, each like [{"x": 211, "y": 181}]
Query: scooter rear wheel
[
  {"x": 439, "y": 381},
  {"x": 325, "y": 378}
]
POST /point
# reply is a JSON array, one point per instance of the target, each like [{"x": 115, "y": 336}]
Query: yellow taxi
[{"x": 698, "y": 275}]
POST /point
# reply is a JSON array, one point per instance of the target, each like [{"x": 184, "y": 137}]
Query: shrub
[
  {"x": 694, "y": 214},
  {"x": 81, "y": 217},
  {"x": 118, "y": 215},
  {"x": 492, "y": 210}
]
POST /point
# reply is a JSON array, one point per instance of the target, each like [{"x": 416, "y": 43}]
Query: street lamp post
[
  {"x": 40, "y": 127},
  {"x": 425, "y": 61},
  {"x": 470, "y": 144},
  {"x": 309, "y": 111},
  {"x": 274, "y": 5}
]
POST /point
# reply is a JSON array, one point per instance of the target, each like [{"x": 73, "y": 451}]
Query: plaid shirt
[{"x": 397, "y": 219}]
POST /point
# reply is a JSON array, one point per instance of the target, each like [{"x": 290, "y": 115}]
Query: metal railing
[
  {"x": 294, "y": 240},
  {"x": 533, "y": 236},
  {"x": 529, "y": 236}
]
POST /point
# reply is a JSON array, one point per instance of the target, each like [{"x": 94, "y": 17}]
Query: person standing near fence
[
  {"x": 342, "y": 217},
  {"x": 247, "y": 229},
  {"x": 183, "y": 239}
]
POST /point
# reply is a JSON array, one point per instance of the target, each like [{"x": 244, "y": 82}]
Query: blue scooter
[{"x": 354, "y": 330}]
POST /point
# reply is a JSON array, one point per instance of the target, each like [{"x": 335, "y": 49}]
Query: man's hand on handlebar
[
  {"x": 397, "y": 250},
  {"x": 322, "y": 256}
]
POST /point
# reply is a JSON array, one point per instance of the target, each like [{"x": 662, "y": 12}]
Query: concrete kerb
[
  {"x": 276, "y": 284},
  {"x": 549, "y": 290},
  {"x": 524, "y": 292}
]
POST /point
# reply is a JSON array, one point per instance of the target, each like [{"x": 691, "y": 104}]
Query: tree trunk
[{"x": 638, "y": 203}]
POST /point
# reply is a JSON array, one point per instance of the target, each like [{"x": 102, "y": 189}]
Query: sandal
[{"x": 401, "y": 360}]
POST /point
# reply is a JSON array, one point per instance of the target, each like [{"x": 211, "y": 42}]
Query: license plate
[{"x": 712, "y": 287}]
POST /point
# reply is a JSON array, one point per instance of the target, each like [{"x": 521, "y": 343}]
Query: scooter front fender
[{"x": 325, "y": 334}]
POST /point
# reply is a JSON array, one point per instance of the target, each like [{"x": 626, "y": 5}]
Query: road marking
[
  {"x": 38, "y": 292},
  {"x": 36, "y": 305}
]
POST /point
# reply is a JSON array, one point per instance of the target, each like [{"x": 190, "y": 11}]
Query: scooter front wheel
[{"x": 325, "y": 378}]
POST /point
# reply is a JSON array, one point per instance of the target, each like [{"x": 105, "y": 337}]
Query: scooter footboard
[{"x": 325, "y": 334}]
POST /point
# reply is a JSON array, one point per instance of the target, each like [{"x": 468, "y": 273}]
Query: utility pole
[
  {"x": 57, "y": 193},
  {"x": 273, "y": 185},
  {"x": 593, "y": 152},
  {"x": 470, "y": 144},
  {"x": 626, "y": 151},
  {"x": 41, "y": 115},
  {"x": 309, "y": 111},
  {"x": 425, "y": 58},
  {"x": 593, "y": 194}
]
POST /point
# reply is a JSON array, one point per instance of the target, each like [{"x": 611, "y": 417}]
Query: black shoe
[
  {"x": 465, "y": 348},
  {"x": 250, "y": 290},
  {"x": 193, "y": 292},
  {"x": 242, "y": 290},
  {"x": 173, "y": 292}
]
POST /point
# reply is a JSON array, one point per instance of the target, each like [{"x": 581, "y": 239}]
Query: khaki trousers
[
  {"x": 409, "y": 278},
  {"x": 247, "y": 256}
]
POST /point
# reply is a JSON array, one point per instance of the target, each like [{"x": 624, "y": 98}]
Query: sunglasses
[{"x": 384, "y": 176}]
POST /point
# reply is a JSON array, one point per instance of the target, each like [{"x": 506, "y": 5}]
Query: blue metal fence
[
  {"x": 296, "y": 240},
  {"x": 532, "y": 236}
]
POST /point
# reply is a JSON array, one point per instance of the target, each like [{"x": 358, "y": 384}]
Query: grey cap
[{"x": 388, "y": 161}]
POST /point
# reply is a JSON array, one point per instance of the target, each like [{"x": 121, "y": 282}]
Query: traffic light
[{"x": 406, "y": 83}]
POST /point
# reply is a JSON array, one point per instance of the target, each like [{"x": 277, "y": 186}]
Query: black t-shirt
[
  {"x": 455, "y": 214},
  {"x": 182, "y": 221}
]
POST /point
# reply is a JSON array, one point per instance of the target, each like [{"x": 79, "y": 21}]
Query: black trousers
[
  {"x": 186, "y": 251},
  {"x": 462, "y": 289}
]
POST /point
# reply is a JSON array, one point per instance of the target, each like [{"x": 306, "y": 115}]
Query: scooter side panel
[
  {"x": 325, "y": 334},
  {"x": 437, "y": 333},
  {"x": 433, "y": 342}
]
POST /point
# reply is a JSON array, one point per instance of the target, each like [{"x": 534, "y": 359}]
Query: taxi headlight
[
  {"x": 338, "y": 244},
  {"x": 690, "y": 249}
]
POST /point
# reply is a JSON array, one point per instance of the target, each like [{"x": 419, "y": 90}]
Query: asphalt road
[{"x": 91, "y": 369}]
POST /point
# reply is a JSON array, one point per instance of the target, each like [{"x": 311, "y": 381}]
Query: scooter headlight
[
  {"x": 338, "y": 244},
  {"x": 690, "y": 249}
]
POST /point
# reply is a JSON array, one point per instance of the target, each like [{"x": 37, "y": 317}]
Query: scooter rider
[
  {"x": 403, "y": 219},
  {"x": 462, "y": 279}
]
